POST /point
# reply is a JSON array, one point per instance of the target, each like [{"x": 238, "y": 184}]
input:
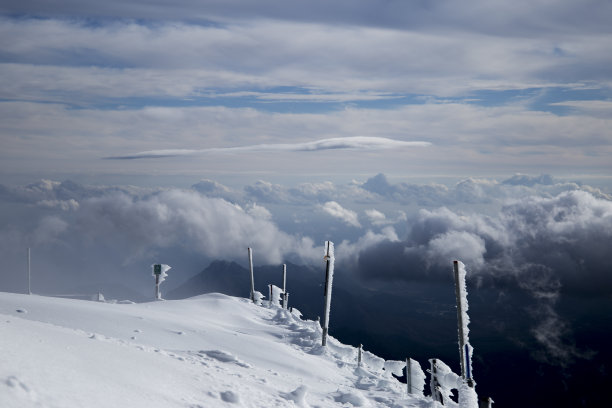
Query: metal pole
[
  {"x": 458, "y": 286},
  {"x": 434, "y": 385},
  {"x": 29, "y": 275},
  {"x": 270, "y": 298},
  {"x": 285, "y": 294},
  {"x": 252, "y": 276},
  {"x": 157, "y": 294},
  {"x": 408, "y": 376},
  {"x": 326, "y": 313}
]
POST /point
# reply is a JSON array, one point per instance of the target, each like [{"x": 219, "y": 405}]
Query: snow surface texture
[{"x": 208, "y": 351}]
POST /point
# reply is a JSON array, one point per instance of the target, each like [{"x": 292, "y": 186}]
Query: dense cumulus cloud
[
  {"x": 567, "y": 232},
  {"x": 546, "y": 238},
  {"x": 544, "y": 245}
]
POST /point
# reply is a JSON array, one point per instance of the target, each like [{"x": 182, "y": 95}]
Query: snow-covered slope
[{"x": 209, "y": 351}]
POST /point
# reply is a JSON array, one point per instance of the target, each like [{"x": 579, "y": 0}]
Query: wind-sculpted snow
[{"x": 206, "y": 351}]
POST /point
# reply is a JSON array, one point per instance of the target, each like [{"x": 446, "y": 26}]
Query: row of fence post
[{"x": 464, "y": 347}]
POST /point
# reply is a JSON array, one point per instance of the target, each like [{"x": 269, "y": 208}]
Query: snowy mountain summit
[{"x": 208, "y": 351}]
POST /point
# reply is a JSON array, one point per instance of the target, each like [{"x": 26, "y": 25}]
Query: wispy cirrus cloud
[{"x": 356, "y": 142}]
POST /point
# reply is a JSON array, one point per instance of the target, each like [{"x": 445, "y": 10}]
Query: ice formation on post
[
  {"x": 467, "y": 394},
  {"x": 275, "y": 296},
  {"x": 250, "y": 251},
  {"x": 329, "y": 278},
  {"x": 465, "y": 349},
  {"x": 443, "y": 381},
  {"x": 160, "y": 273},
  {"x": 415, "y": 377}
]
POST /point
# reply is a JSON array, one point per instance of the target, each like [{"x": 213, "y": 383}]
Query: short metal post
[
  {"x": 285, "y": 294},
  {"x": 252, "y": 277},
  {"x": 434, "y": 385},
  {"x": 157, "y": 294},
  {"x": 408, "y": 376},
  {"x": 270, "y": 298},
  {"x": 485, "y": 402}
]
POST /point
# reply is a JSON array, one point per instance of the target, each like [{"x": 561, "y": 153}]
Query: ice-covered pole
[
  {"x": 159, "y": 271},
  {"x": 284, "y": 278},
  {"x": 252, "y": 276},
  {"x": 285, "y": 294},
  {"x": 329, "y": 278},
  {"x": 434, "y": 385},
  {"x": 465, "y": 349}
]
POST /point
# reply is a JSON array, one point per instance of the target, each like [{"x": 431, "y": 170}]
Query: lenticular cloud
[{"x": 355, "y": 143}]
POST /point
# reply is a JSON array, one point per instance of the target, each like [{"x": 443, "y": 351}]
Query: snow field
[{"x": 208, "y": 351}]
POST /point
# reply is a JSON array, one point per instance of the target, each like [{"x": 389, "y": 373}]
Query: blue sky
[{"x": 494, "y": 89}]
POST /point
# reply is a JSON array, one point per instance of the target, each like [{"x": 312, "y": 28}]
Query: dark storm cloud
[
  {"x": 568, "y": 233},
  {"x": 546, "y": 246}
]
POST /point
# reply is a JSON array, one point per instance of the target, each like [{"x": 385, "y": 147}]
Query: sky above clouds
[{"x": 492, "y": 89}]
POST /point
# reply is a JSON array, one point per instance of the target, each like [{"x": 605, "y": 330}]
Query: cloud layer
[
  {"x": 535, "y": 235},
  {"x": 106, "y": 82},
  {"x": 354, "y": 143}
]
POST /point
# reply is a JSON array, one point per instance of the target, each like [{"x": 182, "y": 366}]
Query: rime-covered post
[
  {"x": 252, "y": 276},
  {"x": 463, "y": 320},
  {"x": 159, "y": 271},
  {"x": 29, "y": 275},
  {"x": 434, "y": 385},
  {"x": 329, "y": 278},
  {"x": 485, "y": 402},
  {"x": 284, "y": 278},
  {"x": 359, "y": 355},
  {"x": 285, "y": 294}
]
